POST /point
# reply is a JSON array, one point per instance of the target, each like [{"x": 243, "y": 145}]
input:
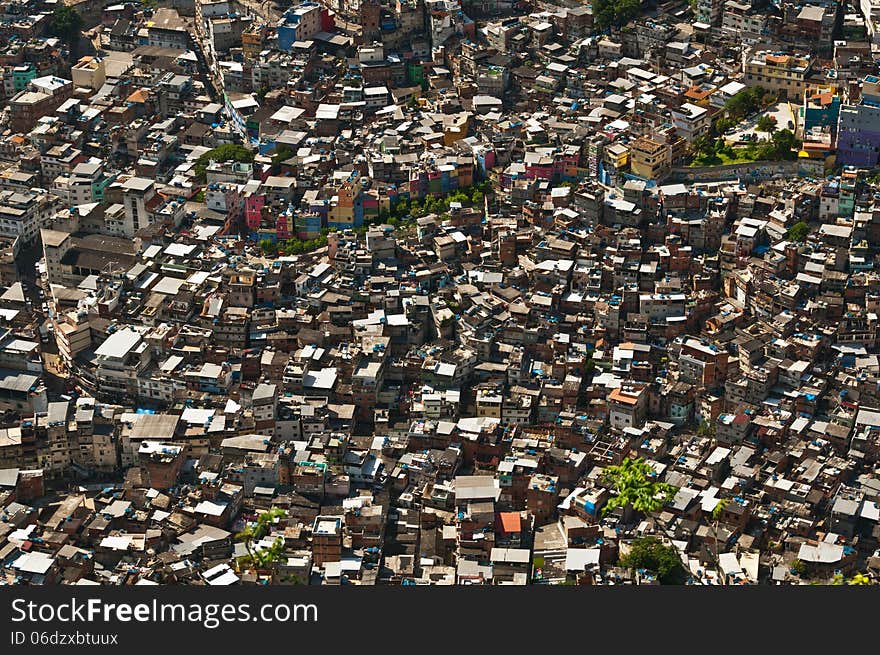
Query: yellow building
[
  {"x": 89, "y": 73},
  {"x": 346, "y": 206},
  {"x": 253, "y": 41},
  {"x": 783, "y": 74},
  {"x": 616, "y": 155},
  {"x": 650, "y": 159}
]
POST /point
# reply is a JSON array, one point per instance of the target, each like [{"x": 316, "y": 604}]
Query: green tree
[
  {"x": 459, "y": 196},
  {"x": 745, "y": 102},
  {"x": 651, "y": 554},
  {"x": 589, "y": 364},
  {"x": 282, "y": 153},
  {"x": 484, "y": 187},
  {"x": 782, "y": 145},
  {"x": 716, "y": 518},
  {"x": 614, "y": 13},
  {"x": 722, "y": 124},
  {"x": 798, "y": 232},
  {"x": 636, "y": 487},
  {"x": 66, "y": 24},
  {"x": 704, "y": 148},
  {"x": 785, "y": 144},
  {"x": 296, "y": 246},
  {"x": 225, "y": 152},
  {"x": 266, "y": 557},
  {"x": 268, "y": 247},
  {"x": 706, "y": 429},
  {"x": 255, "y": 531},
  {"x": 603, "y": 14},
  {"x": 766, "y": 123}
]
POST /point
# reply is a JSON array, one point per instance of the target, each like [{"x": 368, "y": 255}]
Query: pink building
[
  {"x": 283, "y": 226},
  {"x": 253, "y": 209}
]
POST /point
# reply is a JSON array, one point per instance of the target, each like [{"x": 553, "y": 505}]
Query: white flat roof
[
  {"x": 119, "y": 344},
  {"x": 34, "y": 562}
]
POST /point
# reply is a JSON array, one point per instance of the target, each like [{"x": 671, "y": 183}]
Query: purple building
[{"x": 858, "y": 136}]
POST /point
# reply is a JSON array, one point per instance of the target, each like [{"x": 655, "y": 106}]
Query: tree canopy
[
  {"x": 783, "y": 145},
  {"x": 616, "y": 13},
  {"x": 798, "y": 232},
  {"x": 405, "y": 210},
  {"x": 256, "y": 531},
  {"x": 265, "y": 557},
  {"x": 225, "y": 152},
  {"x": 745, "y": 102},
  {"x": 282, "y": 153},
  {"x": 268, "y": 247},
  {"x": 292, "y": 246},
  {"x": 636, "y": 486},
  {"x": 297, "y": 246},
  {"x": 66, "y": 23},
  {"x": 706, "y": 429},
  {"x": 400, "y": 214},
  {"x": 651, "y": 554},
  {"x": 766, "y": 123}
]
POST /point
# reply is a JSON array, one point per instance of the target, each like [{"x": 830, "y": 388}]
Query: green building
[{"x": 23, "y": 74}]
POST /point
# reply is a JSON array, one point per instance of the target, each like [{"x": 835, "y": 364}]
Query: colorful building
[
  {"x": 346, "y": 206},
  {"x": 821, "y": 108},
  {"x": 308, "y": 225},
  {"x": 23, "y": 74},
  {"x": 858, "y": 133},
  {"x": 253, "y": 205},
  {"x": 301, "y": 23}
]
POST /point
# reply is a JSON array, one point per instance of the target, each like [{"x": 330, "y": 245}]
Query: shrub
[{"x": 653, "y": 555}]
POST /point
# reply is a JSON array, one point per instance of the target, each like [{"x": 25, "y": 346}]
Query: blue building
[
  {"x": 299, "y": 23},
  {"x": 820, "y": 109}
]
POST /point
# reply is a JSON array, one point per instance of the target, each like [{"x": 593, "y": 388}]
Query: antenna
[{"x": 108, "y": 269}]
